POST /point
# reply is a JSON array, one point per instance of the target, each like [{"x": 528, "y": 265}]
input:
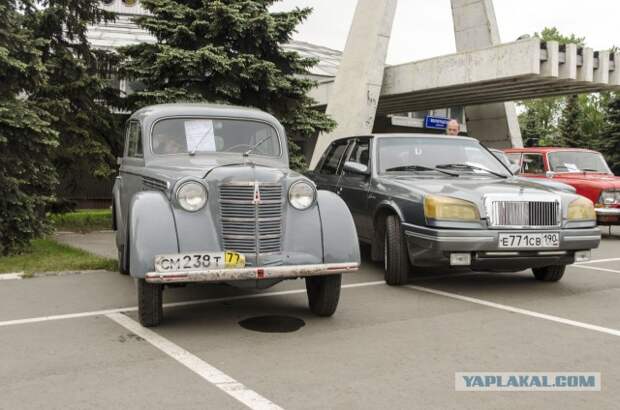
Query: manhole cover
[{"x": 272, "y": 324}]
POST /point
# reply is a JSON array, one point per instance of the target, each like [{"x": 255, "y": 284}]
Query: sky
[{"x": 423, "y": 28}]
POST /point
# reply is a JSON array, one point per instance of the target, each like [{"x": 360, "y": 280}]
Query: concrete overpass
[
  {"x": 485, "y": 76},
  {"x": 519, "y": 70}
]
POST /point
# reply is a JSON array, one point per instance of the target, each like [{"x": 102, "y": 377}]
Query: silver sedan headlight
[
  {"x": 301, "y": 195},
  {"x": 191, "y": 196}
]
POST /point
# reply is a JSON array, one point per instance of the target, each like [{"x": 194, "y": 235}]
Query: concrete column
[
  {"x": 355, "y": 95},
  {"x": 601, "y": 73},
  {"x": 475, "y": 27}
]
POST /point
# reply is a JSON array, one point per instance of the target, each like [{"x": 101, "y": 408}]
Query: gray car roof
[{"x": 154, "y": 112}]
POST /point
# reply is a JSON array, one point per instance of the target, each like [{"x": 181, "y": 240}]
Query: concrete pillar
[
  {"x": 601, "y": 73},
  {"x": 568, "y": 69},
  {"x": 475, "y": 27},
  {"x": 354, "y": 98}
]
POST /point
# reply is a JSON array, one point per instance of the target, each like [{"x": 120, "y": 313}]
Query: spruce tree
[
  {"x": 27, "y": 176},
  {"x": 570, "y": 127},
  {"x": 225, "y": 51},
  {"x": 77, "y": 92},
  {"x": 611, "y": 136}
]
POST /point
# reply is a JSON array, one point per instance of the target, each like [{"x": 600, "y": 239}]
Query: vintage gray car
[
  {"x": 436, "y": 201},
  {"x": 204, "y": 194}
]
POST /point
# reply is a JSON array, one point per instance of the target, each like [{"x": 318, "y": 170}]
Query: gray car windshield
[
  {"x": 205, "y": 135},
  {"x": 577, "y": 161},
  {"x": 404, "y": 154}
]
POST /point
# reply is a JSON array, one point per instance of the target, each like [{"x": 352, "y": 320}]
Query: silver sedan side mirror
[{"x": 356, "y": 168}]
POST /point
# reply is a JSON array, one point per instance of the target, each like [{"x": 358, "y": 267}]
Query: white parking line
[
  {"x": 211, "y": 374},
  {"x": 557, "y": 319},
  {"x": 170, "y": 305},
  {"x": 595, "y": 268},
  {"x": 598, "y": 261},
  {"x": 11, "y": 276}
]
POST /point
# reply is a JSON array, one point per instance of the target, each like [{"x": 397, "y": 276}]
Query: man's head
[{"x": 453, "y": 127}]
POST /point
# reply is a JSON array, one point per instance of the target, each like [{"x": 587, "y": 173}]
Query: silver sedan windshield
[{"x": 412, "y": 154}]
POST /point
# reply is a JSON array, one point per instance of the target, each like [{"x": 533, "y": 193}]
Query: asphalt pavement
[{"x": 72, "y": 342}]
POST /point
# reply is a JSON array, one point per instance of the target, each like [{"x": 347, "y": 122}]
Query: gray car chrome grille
[
  {"x": 524, "y": 214},
  {"x": 249, "y": 226}
]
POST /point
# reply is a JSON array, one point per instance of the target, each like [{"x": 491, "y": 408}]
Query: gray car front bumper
[
  {"x": 432, "y": 247},
  {"x": 252, "y": 273}
]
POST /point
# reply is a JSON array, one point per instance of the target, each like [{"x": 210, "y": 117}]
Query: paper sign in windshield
[{"x": 200, "y": 135}]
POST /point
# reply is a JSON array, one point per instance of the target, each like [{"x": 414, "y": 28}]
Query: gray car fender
[
  {"x": 340, "y": 243},
  {"x": 152, "y": 231}
]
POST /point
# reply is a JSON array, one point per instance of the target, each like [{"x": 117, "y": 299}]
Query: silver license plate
[
  {"x": 199, "y": 261},
  {"x": 526, "y": 240}
]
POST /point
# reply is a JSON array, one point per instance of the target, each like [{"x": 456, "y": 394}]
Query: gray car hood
[{"x": 199, "y": 166}]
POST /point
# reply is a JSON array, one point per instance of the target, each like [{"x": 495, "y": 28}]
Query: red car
[{"x": 583, "y": 169}]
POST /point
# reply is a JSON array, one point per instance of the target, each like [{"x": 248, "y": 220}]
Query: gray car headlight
[
  {"x": 192, "y": 196},
  {"x": 301, "y": 195}
]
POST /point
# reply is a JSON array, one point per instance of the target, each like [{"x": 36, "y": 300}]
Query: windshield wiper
[
  {"x": 258, "y": 144},
  {"x": 420, "y": 168},
  {"x": 468, "y": 166}
]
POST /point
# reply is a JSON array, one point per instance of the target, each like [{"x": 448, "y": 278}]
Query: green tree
[
  {"x": 611, "y": 136},
  {"x": 553, "y": 34},
  {"x": 226, "y": 51},
  {"x": 77, "y": 91},
  {"x": 27, "y": 176},
  {"x": 539, "y": 121},
  {"x": 570, "y": 128}
]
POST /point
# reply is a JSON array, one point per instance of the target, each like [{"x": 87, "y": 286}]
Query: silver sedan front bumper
[{"x": 252, "y": 273}]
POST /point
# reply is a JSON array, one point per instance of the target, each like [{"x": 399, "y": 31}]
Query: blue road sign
[{"x": 437, "y": 123}]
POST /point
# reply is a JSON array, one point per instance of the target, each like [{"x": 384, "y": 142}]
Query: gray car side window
[
  {"x": 134, "y": 140},
  {"x": 332, "y": 158}
]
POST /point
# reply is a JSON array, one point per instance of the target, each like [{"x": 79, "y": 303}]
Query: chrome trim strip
[
  {"x": 582, "y": 238},
  {"x": 451, "y": 238},
  {"x": 262, "y": 202},
  {"x": 251, "y": 236},
  {"x": 251, "y": 219},
  {"x": 552, "y": 253},
  {"x": 501, "y": 253},
  {"x": 249, "y": 183},
  {"x": 607, "y": 211}
]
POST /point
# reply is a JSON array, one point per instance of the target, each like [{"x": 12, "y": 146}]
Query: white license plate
[
  {"x": 199, "y": 261},
  {"x": 517, "y": 240}
]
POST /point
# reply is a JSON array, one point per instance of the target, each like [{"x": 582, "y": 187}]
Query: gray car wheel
[
  {"x": 549, "y": 273},
  {"x": 396, "y": 258},
  {"x": 150, "y": 303},
  {"x": 123, "y": 266},
  {"x": 323, "y": 294}
]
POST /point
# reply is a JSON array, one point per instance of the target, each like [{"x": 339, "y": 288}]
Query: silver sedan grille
[
  {"x": 533, "y": 214},
  {"x": 250, "y": 225}
]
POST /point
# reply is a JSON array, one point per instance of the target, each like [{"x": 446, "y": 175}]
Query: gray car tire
[
  {"x": 122, "y": 261},
  {"x": 150, "y": 303},
  {"x": 549, "y": 273},
  {"x": 323, "y": 294},
  {"x": 396, "y": 263}
]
